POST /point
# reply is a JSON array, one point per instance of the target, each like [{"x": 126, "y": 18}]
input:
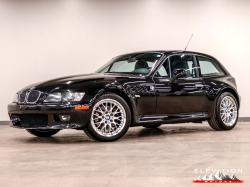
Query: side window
[
  {"x": 164, "y": 70},
  {"x": 209, "y": 67},
  {"x": 186, "y": 62}
]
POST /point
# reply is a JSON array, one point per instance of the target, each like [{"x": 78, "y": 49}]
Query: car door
[
  {"x": 186, "y": 95},
  {"x": 145, "y": 99},
  {"x": 213, "y": 77}
]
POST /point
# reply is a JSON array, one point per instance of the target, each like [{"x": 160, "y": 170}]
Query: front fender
[{"x": 119, "y": 90}]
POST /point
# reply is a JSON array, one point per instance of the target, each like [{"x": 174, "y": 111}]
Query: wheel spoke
[
  {"x": 100, "y": 109},
  {"x": 111, "y": 108},
  {"x": 99, "y": 125},
  {"x": 223, "y": 118},
  {"x": 104, "y": 107}
]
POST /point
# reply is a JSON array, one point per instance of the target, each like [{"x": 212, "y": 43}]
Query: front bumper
[{"x": 79, "y": 119}]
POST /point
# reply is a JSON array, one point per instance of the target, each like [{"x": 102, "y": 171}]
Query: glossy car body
[{"x": 151, "y": 99}]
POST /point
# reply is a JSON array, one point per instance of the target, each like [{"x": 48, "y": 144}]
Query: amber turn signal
[{"x": 81, "y": 107}]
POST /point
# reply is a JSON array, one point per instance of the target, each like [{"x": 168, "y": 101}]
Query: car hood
[{"x": 62, "y": 82}]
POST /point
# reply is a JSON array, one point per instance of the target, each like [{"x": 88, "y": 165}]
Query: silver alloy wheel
[
  {"x": 108, "y": 117},
  {"x": 228, "y": 111}
]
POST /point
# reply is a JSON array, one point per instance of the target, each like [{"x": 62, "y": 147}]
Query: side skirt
[{"x": 171, "y": 118}]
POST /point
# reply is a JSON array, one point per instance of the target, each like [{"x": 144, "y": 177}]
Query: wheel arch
[
  {"x": 232, "y": 91},
  {"x": 122, "y": 93},
  {"x": 127, "y": 97}
]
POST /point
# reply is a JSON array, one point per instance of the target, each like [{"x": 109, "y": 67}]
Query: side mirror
[{"x": 178, "y": 73}]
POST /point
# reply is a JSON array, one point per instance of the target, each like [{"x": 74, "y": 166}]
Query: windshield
[{"x": 139, "y": 63}]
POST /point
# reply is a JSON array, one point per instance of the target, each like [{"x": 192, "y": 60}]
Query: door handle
[{"x": 199, "y": 86}]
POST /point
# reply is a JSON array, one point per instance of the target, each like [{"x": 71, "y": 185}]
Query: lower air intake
[{"x": 30, "y": 120}]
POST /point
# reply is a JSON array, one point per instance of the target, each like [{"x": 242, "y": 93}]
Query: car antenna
[{"x": 188, "y": 42}]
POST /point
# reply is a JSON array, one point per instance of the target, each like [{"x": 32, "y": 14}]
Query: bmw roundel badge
[{"x": 152, "y": 88}]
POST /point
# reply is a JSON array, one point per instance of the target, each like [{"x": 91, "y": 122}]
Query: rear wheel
[
  {"x": 226, "y": 113},
  {"x": 110, "y": 118},
  {"x": 152, "y": 126},
  {"x": 43, "y": 132}
]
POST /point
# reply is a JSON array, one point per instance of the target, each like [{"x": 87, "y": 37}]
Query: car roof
[{"x": 169, "y": 52}]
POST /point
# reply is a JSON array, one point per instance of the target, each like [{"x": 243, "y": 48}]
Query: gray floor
[{"x": 144, "y": 157}]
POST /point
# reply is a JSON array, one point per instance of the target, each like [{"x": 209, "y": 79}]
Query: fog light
[{"x": 64, "y": 117}]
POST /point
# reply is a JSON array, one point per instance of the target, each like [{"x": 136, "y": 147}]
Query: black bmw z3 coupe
[{"x": 138, "y": 89}]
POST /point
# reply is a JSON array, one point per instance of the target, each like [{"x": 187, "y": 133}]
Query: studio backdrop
[{"x": 45, "y": 39}]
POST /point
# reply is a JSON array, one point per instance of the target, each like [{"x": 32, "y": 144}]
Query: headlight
[
  {"x": 76, "y": 96},
  {"x": 54, "y": 97},
  {"x": 15, "y": 99},
  {"x": 64, "y": 97}
]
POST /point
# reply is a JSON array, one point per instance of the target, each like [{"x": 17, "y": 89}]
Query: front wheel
[
  {"x": 110, "y": 118},
  {"x": 43, "y": 132},
  {"x": 226, "y": 112}
]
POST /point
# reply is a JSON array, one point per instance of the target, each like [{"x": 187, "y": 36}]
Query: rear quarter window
[{"x": 209, "y": 68}]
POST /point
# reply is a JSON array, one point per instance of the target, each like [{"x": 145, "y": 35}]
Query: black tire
[
  {"x": 152, "y": 126},
  {"x": 43, "y": 133},
  {"x": 216, "y": 121},
  {"x": 89, "y": 135},
  {"x": 91, "y": 132}
]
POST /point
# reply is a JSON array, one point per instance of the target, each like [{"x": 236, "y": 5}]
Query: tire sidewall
[
  {"x": 126, "y": 126},
  {"x": 222, "y": 96}
]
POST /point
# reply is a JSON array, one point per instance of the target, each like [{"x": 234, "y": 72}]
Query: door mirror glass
[{"x": 178, "y": 73}]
